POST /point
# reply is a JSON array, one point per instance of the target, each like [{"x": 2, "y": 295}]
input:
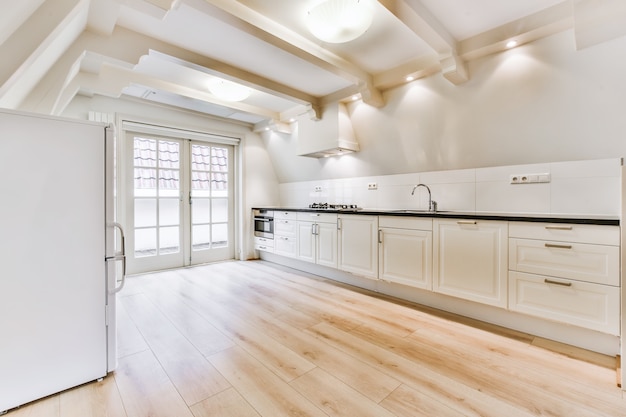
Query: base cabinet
[
  {"x": 317, "y": 238},
  {"x": 568, "y": 273},
  {"x": 285, "y": 232},
  {"x": 358, "y": 244},
  {"x": 584, "y": 304},
  {"x": 405, "y": 251},
  {"x": 470, "y": 260}
]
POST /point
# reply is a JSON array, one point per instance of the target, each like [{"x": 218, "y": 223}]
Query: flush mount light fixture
[
  {"x": 228, "y": 90},
  {"x": 339, "y": 21}
]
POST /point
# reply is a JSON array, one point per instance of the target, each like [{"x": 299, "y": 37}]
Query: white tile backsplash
[{"x": 578, "y": 187}]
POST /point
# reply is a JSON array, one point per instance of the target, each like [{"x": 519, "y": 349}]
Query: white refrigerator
[{"x": 58, "y": 262}]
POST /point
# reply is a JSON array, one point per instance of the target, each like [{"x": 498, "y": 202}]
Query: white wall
[{"x": 541, "y": 102}]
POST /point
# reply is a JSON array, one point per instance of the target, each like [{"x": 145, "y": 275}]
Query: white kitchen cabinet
[
  {"x": 317, "y": 238},
  {"x": 358, "y": 244},
  {"x": 285, "y": 233},
  {"x": 566, "y": 272},
  {"x": 593, "y": 306},
  {"x": 470, "y": 260},
  {"x": 264, "y": 244},
  {"x": 405, "y": 251}
]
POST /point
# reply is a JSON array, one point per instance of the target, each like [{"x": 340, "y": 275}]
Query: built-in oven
[{"x": 264, "y": 223}]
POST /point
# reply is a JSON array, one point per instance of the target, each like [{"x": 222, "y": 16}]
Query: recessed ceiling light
[
  {"x": 511, "y": 44},
  {"x": 410, "y": 78},
  {"x": 355, "y": 97}
]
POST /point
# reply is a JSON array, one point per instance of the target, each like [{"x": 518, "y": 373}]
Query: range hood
[{"x": 329, "y": 136}]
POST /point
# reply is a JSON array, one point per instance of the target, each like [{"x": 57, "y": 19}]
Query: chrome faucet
[{"x": 432, "y": 205}]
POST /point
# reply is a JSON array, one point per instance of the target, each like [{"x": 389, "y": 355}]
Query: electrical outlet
[
  {"x": 372, "y": 186},
  {"x": 529, "y": 178},
  {"x": 318, "y": 188}
]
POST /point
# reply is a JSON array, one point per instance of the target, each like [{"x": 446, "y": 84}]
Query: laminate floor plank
[
  {"x": 336, "y": 398},
  {"x": 146, "y": 389},
  {"x": 227, "y": 403},
  {"x": 192, "y": 375},
  {"x": 284, "y": 362},
  {"x": 438, "y": 386},
  {"x": 268, "y": 394},
  {"x": 408, "y": 402},
  {"x": 363, "y": 378},
  {"x": 97, "y": 399},
  {"x": 482, "y": 372}
]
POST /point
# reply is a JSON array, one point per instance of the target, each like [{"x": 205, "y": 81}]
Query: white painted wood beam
[
  {"x": 541, "y": 24},
  {"x": 256, "y": 24},
  {"x": 419, "y": 19},
  {"x": 597, "y": 21},
  {"x": 36, "y": 45}
]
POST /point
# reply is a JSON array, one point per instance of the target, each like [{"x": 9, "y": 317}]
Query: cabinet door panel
[
  {"x": 327, "y": 244},
  {"x": 405, "y": 257},
  {"x": 471, "y": 260},
  {"x": 306, "y": 242},
  {"x": 285, "y": 246},
  {"x": 358, "y": 245}
]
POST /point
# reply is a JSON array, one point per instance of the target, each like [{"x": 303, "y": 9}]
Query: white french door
[{"x": 180, "y": 207}]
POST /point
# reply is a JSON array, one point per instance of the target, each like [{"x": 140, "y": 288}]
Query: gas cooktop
[{"x": 327, "y": 206}]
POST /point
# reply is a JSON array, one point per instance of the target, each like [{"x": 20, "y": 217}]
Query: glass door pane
[
  {"x": 211, "y": 195},
  {"x": 156, "y": 201}
]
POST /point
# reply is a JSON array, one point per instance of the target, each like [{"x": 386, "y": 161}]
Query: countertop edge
[{"x": 515, "y": 217}]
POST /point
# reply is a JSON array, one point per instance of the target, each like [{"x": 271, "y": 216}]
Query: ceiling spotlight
[
  {"x": 339, "y": 21},
  {"x": 228, "y": 90},
  {"x": 511, "y": 44},
  {"x": 410, "y": 78}
]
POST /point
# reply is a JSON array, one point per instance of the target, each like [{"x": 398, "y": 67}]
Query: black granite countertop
[{"x": 518, "y": 217}]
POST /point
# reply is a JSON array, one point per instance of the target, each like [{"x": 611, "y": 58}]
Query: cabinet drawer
[
  {"x": 317, "y": 217},
  {"x": 285, "y": 245},
  {"x": 592, "y": 306},
  {"x": 579, "y": 261},
  {"x": 285, "y": 215},
  {"x": 285, "y": 227},
  {"x": 261, "y": 243},
  {"x": 566, "y": 232},
  {"x": 405, "y": 223}
]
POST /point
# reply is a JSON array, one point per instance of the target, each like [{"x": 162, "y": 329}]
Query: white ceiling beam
[
  {"x": 36, "y": 45},
  {"x": 547, "y": 22},
  {"x": 598, "y": 21},
  {"x": 112, "y": 79},
  {"x": 414, "y": 15},
  {"x": 258, "y": 25}
]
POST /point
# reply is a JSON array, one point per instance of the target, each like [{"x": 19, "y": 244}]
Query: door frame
[{"x": 126, "y": 124}]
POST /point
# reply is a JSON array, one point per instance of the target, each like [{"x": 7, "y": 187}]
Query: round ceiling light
[
  {"x": 339, "y": 21},
  {"x": 228, "y": 90}
]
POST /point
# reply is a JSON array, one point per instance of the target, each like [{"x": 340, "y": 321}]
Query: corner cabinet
[
  {"x": 405, "y": 251},
  {"x": 470, "y": 260},
  {"x": 358, "y": 244}
]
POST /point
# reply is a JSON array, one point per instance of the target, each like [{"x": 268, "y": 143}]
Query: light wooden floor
[{"x": 254, "y": 339}]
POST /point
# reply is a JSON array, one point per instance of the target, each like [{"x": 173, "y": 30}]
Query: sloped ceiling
[{"x": 167, "y": 50}]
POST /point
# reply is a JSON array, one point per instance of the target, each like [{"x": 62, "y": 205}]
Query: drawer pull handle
[
  {"x": 466, "y": 222},
  {"x": 559, "y": 227},
  {"x": 552, "y": 245},
  {"x": 564, "y": 284}
]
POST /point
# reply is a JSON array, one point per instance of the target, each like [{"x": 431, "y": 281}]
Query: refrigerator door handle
[{"x": 120, "y": 256}]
